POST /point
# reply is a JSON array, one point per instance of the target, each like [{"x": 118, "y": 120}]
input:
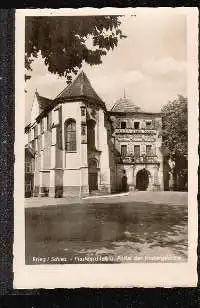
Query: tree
[
  {"x": 175, "y": 138},
  {"x": 63, "y": 41}
]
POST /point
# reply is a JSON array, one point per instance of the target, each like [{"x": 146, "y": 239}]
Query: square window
[
  {"x": 148, "y": 124},
  {"x": 123, "y": 150},
  {"x": 137, "y": 150},
  {"x": 136, "y": 125},
  {"x": 148, "y": 150},
  {"x": 123, "y": 125}
]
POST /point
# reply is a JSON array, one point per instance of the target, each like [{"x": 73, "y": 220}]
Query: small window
[
  {"x": 123, "y": 125},
  {"x": 148, "y": 150},
  {"x": 49, "y": 120},
  {"x": 83, "y": 130},
  {"x": 28, "y": 167},
  {"x": 83, "y": 111},
  {"x": 70, "y": 135},
  {"x": 28, "y": 187},
  {"x": 136, "y": 125},
  {"x": 137, "y": 150},
  {"x": 42, "y": 126},
  {"x": 123, "y": 150},
  {"x": 33, "y": 145},
  {"x": 35, "y": 130},
  {"x": 148, "y": 124}
]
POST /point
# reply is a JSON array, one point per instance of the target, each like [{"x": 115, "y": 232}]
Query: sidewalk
[
  {"x": 163, "y": 197},
  {"x": 46, "y": 201}
]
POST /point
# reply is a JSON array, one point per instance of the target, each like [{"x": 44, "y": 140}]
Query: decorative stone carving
[
  {"x": 149, "y": 139},
  {"x": 92, "y": 113},
  {"x": 94, "y": 155},
  {"x": 135, "y": 131}
]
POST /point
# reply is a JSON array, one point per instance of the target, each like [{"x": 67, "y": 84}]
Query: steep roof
[
  {"x": 29, "y": 151},
  {"x": 125, "y": 105},
  {"x": 80, "y": 87},
  {"x": 43, "y": 101}
]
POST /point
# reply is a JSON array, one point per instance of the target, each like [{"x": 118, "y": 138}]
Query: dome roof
[{"x": 125, "y": 105}]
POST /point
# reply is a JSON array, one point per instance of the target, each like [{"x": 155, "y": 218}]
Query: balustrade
[
  {"x": 143, "y": 159},
  {"x": 135, "y": 131}
]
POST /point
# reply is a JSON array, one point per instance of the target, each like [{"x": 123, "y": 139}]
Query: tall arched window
[
  {"x": 91, "y": 134},
  {"x": 70, "y": 135}
]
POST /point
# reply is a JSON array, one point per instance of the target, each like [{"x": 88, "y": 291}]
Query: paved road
[{"x": 140, "y": 227}]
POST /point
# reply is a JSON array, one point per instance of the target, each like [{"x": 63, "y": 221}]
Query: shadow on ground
[{"x": 121, "y": 231}]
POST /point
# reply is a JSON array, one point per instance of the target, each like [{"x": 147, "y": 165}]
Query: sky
[{"x": 149, "y": 65}]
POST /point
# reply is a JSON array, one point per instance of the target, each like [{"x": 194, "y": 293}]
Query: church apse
[{"x": 80, "y": 147}]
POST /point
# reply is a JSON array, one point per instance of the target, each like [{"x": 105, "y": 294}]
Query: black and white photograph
[{"x": 105, "y": 153}]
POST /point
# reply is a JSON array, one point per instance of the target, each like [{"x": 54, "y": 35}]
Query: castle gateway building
[{"x": 77, "y": 147}]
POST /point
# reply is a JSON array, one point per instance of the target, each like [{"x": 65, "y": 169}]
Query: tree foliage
[
  {"x": 62, "y": 41},
  {"x": 175, "y": 128},
  {"x": 175, "y": 139}
]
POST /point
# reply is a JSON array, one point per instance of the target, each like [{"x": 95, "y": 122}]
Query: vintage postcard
[{"x": 106, "y": 148}]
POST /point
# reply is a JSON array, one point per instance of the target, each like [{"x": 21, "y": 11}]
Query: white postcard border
[{"x": 105, "y": 275}]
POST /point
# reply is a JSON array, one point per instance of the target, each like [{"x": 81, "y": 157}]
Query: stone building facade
[
  {"x": 80, "y": 148},
  {"x": 138, "y": 142}
]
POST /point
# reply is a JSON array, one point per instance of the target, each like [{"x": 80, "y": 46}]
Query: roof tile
[
  {"x": 81, "y": 86},
  {"x": 125, "y": 105},
  {"x": 43, "y": 101}
]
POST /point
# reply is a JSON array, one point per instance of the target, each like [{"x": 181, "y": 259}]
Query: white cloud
[
  {"x": 48, "y": 79},
  {"x": 132, "y": 76},
  {"x": 164, "y": 66},
  {"x": 149, "y": 64}
]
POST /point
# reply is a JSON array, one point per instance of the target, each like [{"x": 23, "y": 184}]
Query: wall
[
  {"x": 72, "y": 160},
  {"x": 142, "y": 137},
  {"x": 70, "y": 169},
  {"x": 155, "y": 183},
  {"x": 104, "y": 157},
  {"x": 112, "y": 157},
  {"x": 34, "y": 110},
  {"x": 71, "y": 110},
  {"x": 71, "y": 182},
  {"x": 36, "y": 184}
]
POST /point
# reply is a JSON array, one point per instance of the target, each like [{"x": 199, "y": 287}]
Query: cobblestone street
[{"x": 134, "y": 227}]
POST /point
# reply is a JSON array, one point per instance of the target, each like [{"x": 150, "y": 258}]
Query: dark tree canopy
[
  {"x": 62, "y": 41},
  {"x": 175, "y": 139},
  {"x": 175, "y": 128}
]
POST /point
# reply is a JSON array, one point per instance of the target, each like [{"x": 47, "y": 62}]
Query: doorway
[
  {"x": 124, "y": 184},
  {"x": 142, "y": 180},
  {"x": 93, "y": 181},
  {"x": 93, "y": 175}
]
